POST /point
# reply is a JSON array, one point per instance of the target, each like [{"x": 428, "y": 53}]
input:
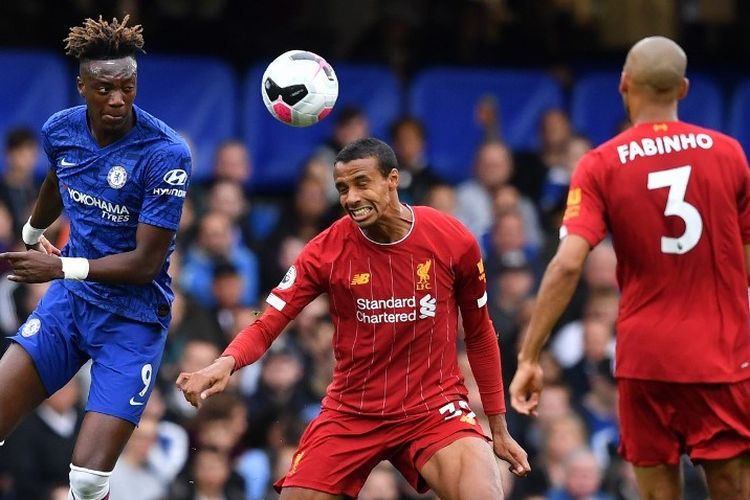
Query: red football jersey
[
  {"x": 676, "y": 199},
  {"x": 395, "y": 308}
]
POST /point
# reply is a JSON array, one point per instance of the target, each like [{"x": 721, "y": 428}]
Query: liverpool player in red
[
  {"x": 397, "y": 278},
  {"x": 676, "y": 199}
]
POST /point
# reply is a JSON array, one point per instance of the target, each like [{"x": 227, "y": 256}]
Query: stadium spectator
[
  {"x": 132, "y": 475},
  {"x": 168, "y": 455},
  {"x": 442, "y": 197},
  {"x": 210, "y": 478},
  {"x": 417, "y": 177},
  {"x": 507, "y": 245},
  {"x": 18, "y": 189},
  {"x": 232, "y": 163},
  {"x": 195, "y": 354},
  {"x": 216, "y": 243},
  {"x": 583, "y": 478},
  {"x": 38, "y": 453},
  {"x": 493, "y": 168},
  {"x": 382, "y": 484}
]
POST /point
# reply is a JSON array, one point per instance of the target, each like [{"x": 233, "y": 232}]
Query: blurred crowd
[{"x": 234, "y": 245}]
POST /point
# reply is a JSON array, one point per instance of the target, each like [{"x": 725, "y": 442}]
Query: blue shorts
[{"x": 65, "y": 331}]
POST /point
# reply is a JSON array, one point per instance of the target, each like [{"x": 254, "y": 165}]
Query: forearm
[
  {"x": 255, "y": 339},
  {"x": 555, "y": 292},
  {"x": 132, "y": 268},
  {"x": 48, "y": 206},
  {"x": 483, "y": 353}
]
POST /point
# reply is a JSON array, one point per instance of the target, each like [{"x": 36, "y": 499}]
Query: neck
[
  {"x": 648, "y": 113},
  {"x": 392, "y": 226},
  {"x": 106, "y": 137}
]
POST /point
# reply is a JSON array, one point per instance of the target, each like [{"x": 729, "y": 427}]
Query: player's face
[
  {"x": 109, "y": 88},
  {"x": 364, "y": 192}
]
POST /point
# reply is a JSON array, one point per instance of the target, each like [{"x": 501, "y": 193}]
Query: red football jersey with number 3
[{"x": 676, "y": 199}]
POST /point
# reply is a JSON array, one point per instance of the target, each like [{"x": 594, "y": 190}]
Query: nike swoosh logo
[
  {"x": 133, "y": 402},
  {"x": 66, "y": 164}
]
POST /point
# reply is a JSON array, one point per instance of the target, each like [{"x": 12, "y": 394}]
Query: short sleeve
[
  {"x": 166, "y": 180},
  {"x": 47, "y": 146},
  {"x": 301, "y": 283},
  {"x": 471, "y": 280},
  {"x": 585, "y": 210}
]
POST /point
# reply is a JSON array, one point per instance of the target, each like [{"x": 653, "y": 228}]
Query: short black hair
[
  {"x": 104, "y": 40},
  {"x": 20, "y": 137},
  {"x": 370, "y": 147}
]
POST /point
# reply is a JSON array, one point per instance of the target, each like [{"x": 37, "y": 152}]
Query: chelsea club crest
[{"x": 117, "y": 177}]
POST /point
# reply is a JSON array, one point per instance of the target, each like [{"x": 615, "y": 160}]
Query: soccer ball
[{"x": 299, "y": 88}]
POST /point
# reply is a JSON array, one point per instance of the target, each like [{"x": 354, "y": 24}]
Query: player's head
[
  {"x": 366, "y": 177},
  {"x": 107, "y": 69},
  {"x": 653, "y": 75}
]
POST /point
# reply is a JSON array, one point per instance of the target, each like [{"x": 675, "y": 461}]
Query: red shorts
[
  {"x": 659, "y": 421},
  {"x": 338, "y": 450}
]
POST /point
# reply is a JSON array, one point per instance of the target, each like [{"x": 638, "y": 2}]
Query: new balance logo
[
  {"x": 361, "y": 279},
  {"x": 427, "y": 307}
]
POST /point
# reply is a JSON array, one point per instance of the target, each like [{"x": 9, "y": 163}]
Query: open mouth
[{"x": 360, "y": 213}]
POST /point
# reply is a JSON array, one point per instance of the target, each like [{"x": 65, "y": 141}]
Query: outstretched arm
[
  {"x": 558, "y": 284},
  {"x": 246, "y": 348}
]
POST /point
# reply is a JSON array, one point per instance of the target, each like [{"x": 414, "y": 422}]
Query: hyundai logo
[{"x": 176, "y": 177}]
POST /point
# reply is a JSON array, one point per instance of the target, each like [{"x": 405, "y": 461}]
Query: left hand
[
  {"x": 33, "y": 266},
  {"x": 506, "y": 448}
]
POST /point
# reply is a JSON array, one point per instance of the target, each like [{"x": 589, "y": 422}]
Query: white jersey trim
[
  {"x": 482, "y": 301},
  {"x": 275, "y": 301},
  {"x": 411, "y": 228}
]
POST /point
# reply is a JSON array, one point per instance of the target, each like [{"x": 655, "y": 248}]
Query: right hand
[
  {"x": 200, "y": 385},
  {"x": 526, "y": 387},
  {"x": 44, "y": 246}
]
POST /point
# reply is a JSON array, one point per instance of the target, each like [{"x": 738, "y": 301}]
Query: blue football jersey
[{"x": 107, "y": 191}]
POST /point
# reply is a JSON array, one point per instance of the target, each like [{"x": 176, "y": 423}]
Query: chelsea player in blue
[{"x": 120, "y": 175}]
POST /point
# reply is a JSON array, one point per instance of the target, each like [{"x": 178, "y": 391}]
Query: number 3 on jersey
[{"x": 676, "y": 179}]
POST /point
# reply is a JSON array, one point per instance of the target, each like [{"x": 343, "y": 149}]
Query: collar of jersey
[{"x": 411, "y": 228}]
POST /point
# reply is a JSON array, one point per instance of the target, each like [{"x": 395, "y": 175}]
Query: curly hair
[{"x": 104, "y": 40}]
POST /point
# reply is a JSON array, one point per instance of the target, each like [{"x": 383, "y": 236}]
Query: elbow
[
  {"x": 567, "y": 266},
  {"x": 146, "y": 274}
]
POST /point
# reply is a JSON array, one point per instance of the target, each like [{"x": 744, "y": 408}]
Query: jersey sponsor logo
[
  {"x": 64, "y": 163},
  {"x": 117, "y": 177},
  {"x": 31, "y": 327},
  {"x": 427, "y": 307},
  {"x": 652, "y": 146},
  {"x": 361, "y": 279},
  {"x": 179, "y": 193},
  {"x": 423, "y": 273},
  {"x": 176, "y": 177},
  {"x": 111, "y": 211},
  {"x": 288, "y": 279},
  {"x": 480, "y": 268},
  {"x": 575, "y": 196}
]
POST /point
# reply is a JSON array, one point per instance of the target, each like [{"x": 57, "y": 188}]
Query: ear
[
  {"x": 79, "y": 85},
  {"x": 624, "y": 84},
  {"x": 683, "y": 89},
  {"x": 393, "y": 178}
]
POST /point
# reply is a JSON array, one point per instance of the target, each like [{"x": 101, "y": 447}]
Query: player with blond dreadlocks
[{"x": 120, "y": 175}]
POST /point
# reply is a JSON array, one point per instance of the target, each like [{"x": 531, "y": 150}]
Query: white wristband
[
  {"x": 75, "y": 268},
  {"x": 30, "y": 234}
]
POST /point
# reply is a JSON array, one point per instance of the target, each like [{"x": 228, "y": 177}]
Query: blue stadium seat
[
  {"x": 279, "y": 151},
  {"x": 446, "y": 99},
  {"x": 34, "y": 85},
  {"x": 196, "y": 96},
  {"x": 597, "y": 109},
  {"x": 739, "y": 115}
]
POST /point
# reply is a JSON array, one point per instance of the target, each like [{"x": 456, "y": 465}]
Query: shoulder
[
  {"x": 62, "y": 120},
  {"x": 165, "y": 139},
  {"x": 442, "y": 224}
]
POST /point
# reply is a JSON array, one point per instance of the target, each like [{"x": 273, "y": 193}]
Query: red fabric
[
  {"x": 681, "y": 267},
  {"x": 338, "y": 450},
  {"x": 395, "y": 308},
  {"x": 661, "y": 420},
  {"x": 255, "y": 339}
]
